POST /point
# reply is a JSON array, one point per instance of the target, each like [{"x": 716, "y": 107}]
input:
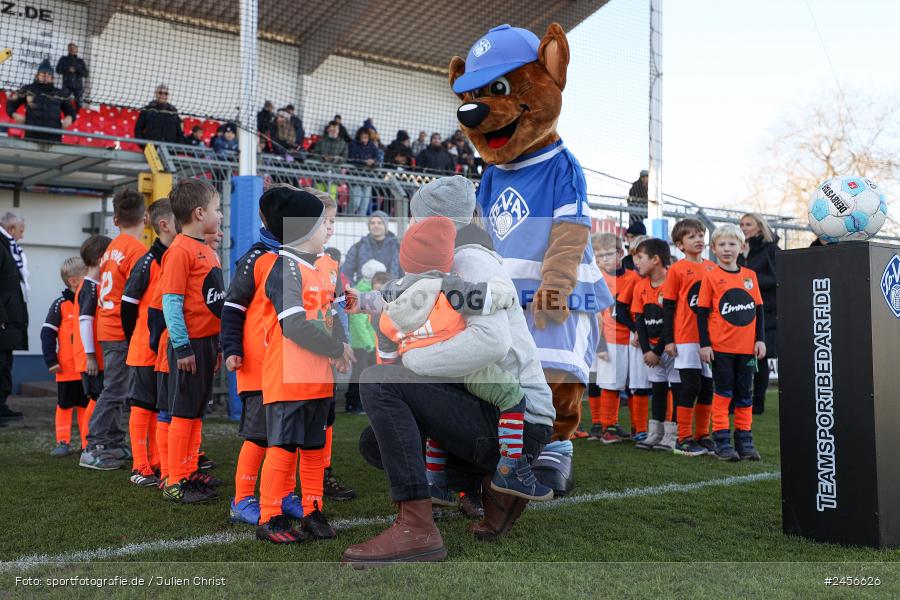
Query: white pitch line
[{"x": 228, "y": 537}]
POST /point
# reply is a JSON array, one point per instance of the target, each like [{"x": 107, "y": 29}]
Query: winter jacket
[
  {"x": 73, "y": 81},
  {"x": 299, "y": 133},
  {"x": 264, "y": 120},
  {"x": 331, "y": 147},
  {"x": 396, "y": 148},
  {"x": 161, "y": 122},
  {"x": 761, "y": 259},
  {"x": 360, "y": 153},
  {"x": 221, "y": 145},
  {"x": 13, "y": 310},
  {"x": 387, "y": 252},
  {"x": 502, "y": 338},
  {"x": 436, "y": 159},
  {"x": 44, "y": 107}
]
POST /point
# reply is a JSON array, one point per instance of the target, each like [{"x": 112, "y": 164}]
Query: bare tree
[{"x": 838, "y": 136}]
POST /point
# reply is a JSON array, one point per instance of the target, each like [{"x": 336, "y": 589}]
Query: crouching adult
[{"x": 424, "y": 398}]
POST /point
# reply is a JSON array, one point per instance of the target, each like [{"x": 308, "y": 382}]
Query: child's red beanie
[{"x": 428, "y": 246}]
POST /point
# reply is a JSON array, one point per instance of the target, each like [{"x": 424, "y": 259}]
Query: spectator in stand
[
  {"x": 376, "y": 139},
  {"x": 297, "y": 124},
  {"x": 159, "y": 120},
  {"x": 196, "y": 137},
  {"x": 435, "y": 157},
  {"x": 45, "y": 106},
  {"x": 284, "y": 137},
  {"x": 13, "y": 309},
  {"x": 265, "y": 118},
  {"x": 759, "y": 255},
  {"x": 331, "y": 148},
  {"x": 226, "y": 140},
  {"x": 363, "y": 153},
  {"x": 420, "y": 144},
  {"x": 342, "y": 131},
  {"x": 465, "y": 156},
  {"x": 398, "y": 152},
  {"x": 380, "y": 244},
  {"x": 637, "y": 195},
  {"x": 73, "y": 70}
]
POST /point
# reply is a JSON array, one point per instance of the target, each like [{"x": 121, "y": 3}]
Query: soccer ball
[{"x": 847, "y": 208}]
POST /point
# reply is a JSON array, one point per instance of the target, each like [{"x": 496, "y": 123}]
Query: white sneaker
[
  {"x": 654, "y": 435},
  {"x": 669, "y": 438}
]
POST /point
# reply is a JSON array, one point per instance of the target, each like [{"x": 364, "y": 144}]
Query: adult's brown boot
[
  {"x": 413, "y": 537},
  {"x": 501, "y": 511}
]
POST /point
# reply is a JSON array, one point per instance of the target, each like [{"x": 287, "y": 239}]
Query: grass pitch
[{"x": 637, "y": 524}]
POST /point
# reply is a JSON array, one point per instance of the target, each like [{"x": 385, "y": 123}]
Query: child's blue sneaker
[
  {"x": 743, "y": 443},
  {"x": 441, "y": 495},
  {"x": 292, "y": 506},
  {"x": 515, "y": 477},
  {"x": 639, "y": 437},
  {"x": 245, "y": 511},
  {"x": 724, "y": 450}
]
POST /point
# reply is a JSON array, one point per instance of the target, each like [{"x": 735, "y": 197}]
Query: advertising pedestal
[{"x": 839, "y": 387}]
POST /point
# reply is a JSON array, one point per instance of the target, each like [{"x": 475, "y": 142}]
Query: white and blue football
[{"x": 847, "y": 208}]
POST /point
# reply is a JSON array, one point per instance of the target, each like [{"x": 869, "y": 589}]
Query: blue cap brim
[{"x": 479, "y": 79}]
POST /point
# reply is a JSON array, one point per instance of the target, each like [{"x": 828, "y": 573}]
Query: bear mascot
[{"x": 533, "y": 198}]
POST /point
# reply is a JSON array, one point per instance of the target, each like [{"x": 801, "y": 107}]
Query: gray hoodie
[{"x": 502, "y": 338}]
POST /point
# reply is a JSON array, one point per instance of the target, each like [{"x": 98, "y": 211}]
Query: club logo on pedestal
[{"x": 890, "y": 285}]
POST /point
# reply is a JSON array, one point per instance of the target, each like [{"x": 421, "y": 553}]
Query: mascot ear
[
  {"x": 457, "y": 69},
  {"x": 553, "y": 54}
]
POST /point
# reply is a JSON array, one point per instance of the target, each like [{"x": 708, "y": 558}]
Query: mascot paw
[{"x": 549, "y": 306}]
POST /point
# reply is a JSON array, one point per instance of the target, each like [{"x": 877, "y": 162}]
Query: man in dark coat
[
  {"x": 637, "y": 195},
  {"x": 297, "y": 123},
  {"x": 435, "y": 158},
  {"x": 159, "y": 120},
  {"x": 73, "y": 70},
  {"x": 13, "y": 311},
  {"x": 398, "y": 152},
  {"x": 45, "y": 106}
]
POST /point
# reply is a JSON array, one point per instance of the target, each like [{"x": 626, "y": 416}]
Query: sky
[{"x": 732, "y": 71}]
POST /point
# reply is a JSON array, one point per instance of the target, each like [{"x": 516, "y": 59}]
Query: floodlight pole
[
  {"x": 249, "y": 86},
  {"x": 655, "y": 197}
]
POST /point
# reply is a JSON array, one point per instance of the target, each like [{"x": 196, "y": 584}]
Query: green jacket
[{"x": 362, "y": 334}]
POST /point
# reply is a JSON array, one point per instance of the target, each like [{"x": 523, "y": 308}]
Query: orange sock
[
  {"x": 720, "y": 412},
  {"x": 669, "y": 407},
  {"x": 328, "y": 438},
  {"x": 275, "y": 469},
  {"x": 743, "y": 417},
  {"x": 685, "y": 422},
  {"x": 247, "y": 472},
  {"x": 702, "y": 414},
  {"x": 609, "y": 408},
  {"x": 63, "y": 425},
  {"x": 162, "y": 441},
  {"x": 84, "y": 426},
  {"x": 138, "y": 429},
  {"x": 152, "y": 446},
  {"x": 180, "y": 448},
  {"x": 196, "y": 439},
  {"x": 290, "y": 484},
  {"x": 312, "y": 478},
  {"x": 640, "y": 411},
  {"x": 596, "y": 411},
  {"x": 79, "y": 416}
]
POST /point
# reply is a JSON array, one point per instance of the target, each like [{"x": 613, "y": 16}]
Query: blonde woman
[{"x": 759, "y": 255}]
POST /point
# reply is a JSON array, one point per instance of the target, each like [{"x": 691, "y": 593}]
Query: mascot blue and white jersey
[{"x": 520, "y": 201}]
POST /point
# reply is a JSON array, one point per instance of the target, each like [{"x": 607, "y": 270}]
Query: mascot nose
[{"x": 472, "y": 114}]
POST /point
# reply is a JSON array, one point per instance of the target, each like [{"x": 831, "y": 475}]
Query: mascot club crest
[
  {"x": 508, "y": 212},
  {"x": 890, "y": 285}
]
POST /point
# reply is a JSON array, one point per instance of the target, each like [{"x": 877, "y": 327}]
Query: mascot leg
[{"x": 553, "y": 467}]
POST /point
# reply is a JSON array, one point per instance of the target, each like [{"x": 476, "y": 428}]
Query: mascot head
[{"x": 511, "y": 86}]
